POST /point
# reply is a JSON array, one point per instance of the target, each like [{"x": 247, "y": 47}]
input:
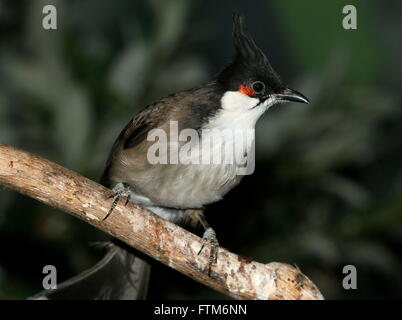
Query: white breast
[
  {"x": 202, "y": 184},
  {"x": 196, "y": 185}
]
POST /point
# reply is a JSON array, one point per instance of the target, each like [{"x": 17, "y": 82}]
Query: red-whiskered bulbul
[{"x": 235, "y": 98}]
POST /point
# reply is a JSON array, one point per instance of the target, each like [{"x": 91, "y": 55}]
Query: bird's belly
[
  {"x": 195, "y": 184},
  {"x": 190, "y": 186}
]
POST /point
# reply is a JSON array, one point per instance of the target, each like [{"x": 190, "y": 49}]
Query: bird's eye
[{"x": 258, "y": 87}]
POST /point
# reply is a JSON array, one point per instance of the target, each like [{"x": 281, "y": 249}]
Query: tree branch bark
[{"x": 166, "y": 242}]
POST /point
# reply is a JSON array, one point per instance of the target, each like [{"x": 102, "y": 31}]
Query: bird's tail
[{"x": 119, "y": 275}]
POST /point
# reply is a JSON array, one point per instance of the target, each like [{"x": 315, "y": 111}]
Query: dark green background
[{"x": 327, "y": 190}]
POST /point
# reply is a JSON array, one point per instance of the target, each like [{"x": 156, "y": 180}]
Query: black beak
[{"x": 291, "y": 95}]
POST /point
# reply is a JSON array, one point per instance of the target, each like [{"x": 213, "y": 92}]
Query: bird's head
[{"x": 250, "y": 81}]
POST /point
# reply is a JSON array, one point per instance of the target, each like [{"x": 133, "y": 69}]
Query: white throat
[
  {"x": 239, "y": 111},
  {"x": 238, "y": 115}
]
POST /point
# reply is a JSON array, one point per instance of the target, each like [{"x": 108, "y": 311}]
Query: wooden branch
[{"x": 68, "y": 191}]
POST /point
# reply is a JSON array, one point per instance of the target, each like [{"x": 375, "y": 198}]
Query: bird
[{"x": 234, "y": 99}]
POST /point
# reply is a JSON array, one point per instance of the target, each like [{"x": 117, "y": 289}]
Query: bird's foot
[
  {"x": 120, "y": 190},
  {"x": 209, "y": 238}
]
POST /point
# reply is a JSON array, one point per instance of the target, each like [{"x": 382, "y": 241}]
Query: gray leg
[
  {"x": 119, "y": 190},
  {"x": 209, "y": 238}
]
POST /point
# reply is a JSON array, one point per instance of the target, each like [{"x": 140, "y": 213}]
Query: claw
[
  {"x": 118, "y": 191},
  {"x": 209, "y": 237},
  {"x": 128, "y": 198}
]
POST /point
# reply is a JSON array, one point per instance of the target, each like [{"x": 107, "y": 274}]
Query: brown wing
[
  {"x": 128, "y": 159},
  {"x": 133, "y": 135},
  {"x": 129, "y": 151}
]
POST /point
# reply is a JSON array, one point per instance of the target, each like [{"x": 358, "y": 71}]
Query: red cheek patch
[{"x": 247, "y": 90}]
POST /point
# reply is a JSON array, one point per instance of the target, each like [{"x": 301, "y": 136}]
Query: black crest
[
  {"x": 250, "y": 64},
  {"x": 246, "y": 48}
]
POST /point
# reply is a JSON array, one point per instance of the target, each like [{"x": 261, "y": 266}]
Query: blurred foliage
[{"x": 327, "y": 190}]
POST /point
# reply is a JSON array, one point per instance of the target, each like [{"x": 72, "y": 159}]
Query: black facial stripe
[{"x": 257, "y": 104}]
